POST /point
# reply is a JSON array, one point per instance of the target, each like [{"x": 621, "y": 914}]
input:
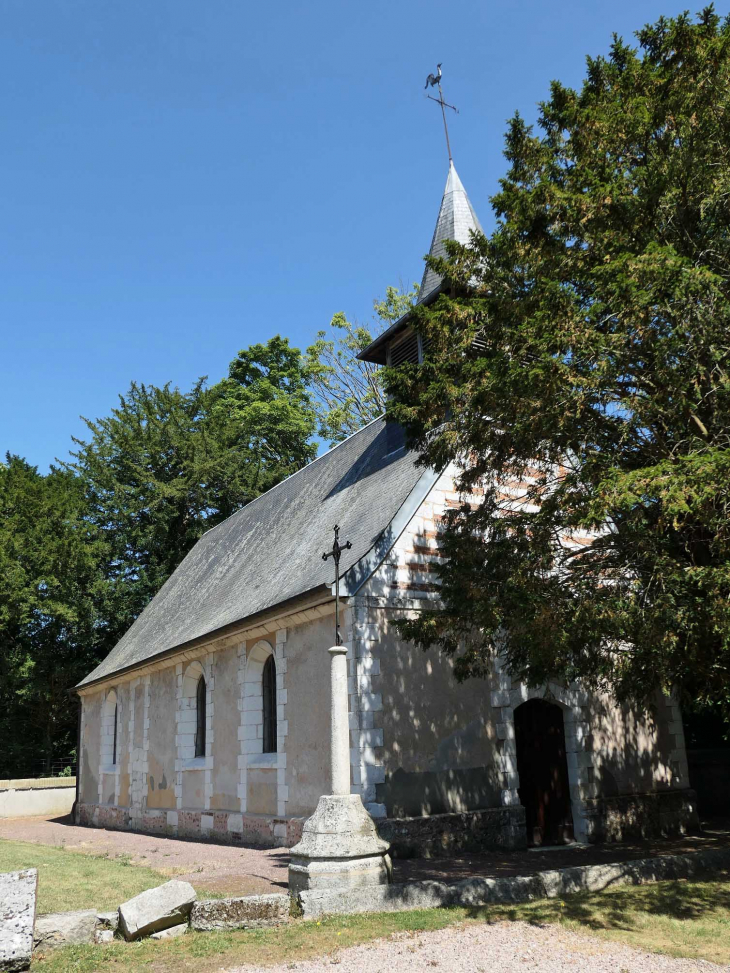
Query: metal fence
[{"x": 41, "y": 768}]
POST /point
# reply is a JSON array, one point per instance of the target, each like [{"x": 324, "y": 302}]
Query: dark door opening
[{"x": 543, "y": 768}]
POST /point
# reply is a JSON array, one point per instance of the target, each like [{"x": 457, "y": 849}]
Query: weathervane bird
[{"x": 434, "y": 79}]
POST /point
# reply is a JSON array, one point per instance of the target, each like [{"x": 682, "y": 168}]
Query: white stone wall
[
  {"x": 138, "y": 762},
  {"x": 365, "y": 708}
]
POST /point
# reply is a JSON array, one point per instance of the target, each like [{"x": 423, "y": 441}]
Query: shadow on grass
[{"x": 620, "y": 907}]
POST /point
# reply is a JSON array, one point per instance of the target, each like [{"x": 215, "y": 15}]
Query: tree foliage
[
  {"x": 168, "y": 465},
  {"x": 348, "y": 392},
  {"x": 52, "y": 612},
  {"x": 587, "y": 342},
  {"x": 84, "y": 548}
]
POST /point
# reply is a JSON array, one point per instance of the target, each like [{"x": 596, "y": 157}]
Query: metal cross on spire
[
  {"x": 335, "y": 553},
  {"x": 434, "y": 81}
]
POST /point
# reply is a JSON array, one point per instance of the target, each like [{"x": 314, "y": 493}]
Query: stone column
[
  {"x": 339, "y": 723},
  {"x": 340, "y": 844}
]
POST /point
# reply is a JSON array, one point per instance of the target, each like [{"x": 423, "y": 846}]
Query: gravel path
[{"x": 507, "y": 947}]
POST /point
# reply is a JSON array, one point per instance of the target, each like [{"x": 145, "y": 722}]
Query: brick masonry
[{"x": 226, "y": 827}]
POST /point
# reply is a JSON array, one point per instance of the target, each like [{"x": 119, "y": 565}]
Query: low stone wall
[
  {"x": 473, "y": 892},
  {"x": 493, "y": 828},
  {"x": 26, "y": 797},
  {"x": 224, "y": 826},
  {"x": 656, "y": 815}
]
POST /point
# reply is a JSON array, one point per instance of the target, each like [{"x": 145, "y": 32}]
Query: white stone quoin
[{"x": 340, "y": 844}]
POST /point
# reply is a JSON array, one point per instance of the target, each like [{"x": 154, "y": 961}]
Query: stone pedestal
[{"x": 340, "y": 846}]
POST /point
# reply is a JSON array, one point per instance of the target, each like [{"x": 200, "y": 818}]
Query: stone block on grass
[
  {"x": 246, "y": 912},
  {"x": 17, "y": 918},
  {"x": 172, "y": 933},
  {"x": 64, "y": 929},
  {"x": 156, "y": 909}
]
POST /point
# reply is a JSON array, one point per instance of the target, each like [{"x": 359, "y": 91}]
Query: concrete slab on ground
[{"x": 17, "y": 918}]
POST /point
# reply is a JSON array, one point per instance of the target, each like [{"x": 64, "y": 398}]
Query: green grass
[
  {"x": 678, "y": 918},
  {"x": 71, "y": 880},
  {"x": 690, "y": 919},
  {"x": 206, "y": 952}
]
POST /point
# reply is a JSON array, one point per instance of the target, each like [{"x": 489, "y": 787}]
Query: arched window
[
  {"x": 109, "y": 728},
  {"x": 269, "y": 699},
  {"x": 200, "y": 723},
  {"x": 116, "y": 723}
]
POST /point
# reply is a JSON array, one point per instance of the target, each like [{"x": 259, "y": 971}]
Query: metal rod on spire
[{"x": 434, "y": 81}]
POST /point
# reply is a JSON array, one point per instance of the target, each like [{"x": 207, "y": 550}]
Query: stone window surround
[
  {"x": 583, "y": 764},
  {"x": 251, "y": 728},
  {"x": 187, "y": 716},
  {"x": 110, "y": 709},
  {"x": 572, "y": 701}
]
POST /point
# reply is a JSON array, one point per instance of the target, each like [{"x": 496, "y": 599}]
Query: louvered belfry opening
[
  {"x": 269, "y": 699},
  {"x": 200, "y": 721},
  {"x": 404, "y": 350},
  {"x": 400, "y": 351}
]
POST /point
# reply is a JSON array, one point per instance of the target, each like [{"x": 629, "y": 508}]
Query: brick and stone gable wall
[{"x": 423, "y": 745}]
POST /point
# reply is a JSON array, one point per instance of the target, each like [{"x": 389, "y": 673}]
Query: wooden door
[{"x": 541, "y": 763}]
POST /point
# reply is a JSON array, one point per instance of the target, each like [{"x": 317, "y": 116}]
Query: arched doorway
[{"x": 543, "y": 771}]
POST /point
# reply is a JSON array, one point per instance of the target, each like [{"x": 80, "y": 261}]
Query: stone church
[{"x": 211, "y": 715}]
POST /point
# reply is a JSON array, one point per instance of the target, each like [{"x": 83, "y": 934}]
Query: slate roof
[
  {"x": 456, "y": 221},
  {"x": 271, "y": 550}
]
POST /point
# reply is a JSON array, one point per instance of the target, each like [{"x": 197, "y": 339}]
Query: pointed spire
[{"x": 455, "y": 221}]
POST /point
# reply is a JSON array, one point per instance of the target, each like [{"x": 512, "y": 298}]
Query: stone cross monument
[{"x": 340, "y": 844}]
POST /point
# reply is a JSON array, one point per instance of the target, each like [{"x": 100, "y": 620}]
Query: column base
[{"x": 340, "y": 847}]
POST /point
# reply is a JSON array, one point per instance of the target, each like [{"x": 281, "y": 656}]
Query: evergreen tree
[
  {"x": 168, "y": 465},
  {"x": 588, "y": 341},
  {"x": 52, "y": 613}
]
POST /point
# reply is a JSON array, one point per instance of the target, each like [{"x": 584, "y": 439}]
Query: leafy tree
[
  {"x": 348, "y": 392},
  {"x": 168, "y": 465},
  {"x": 267, "y": 403},
  {"x": 588, "y": 342},
  {"x": 52, "y": 609}
]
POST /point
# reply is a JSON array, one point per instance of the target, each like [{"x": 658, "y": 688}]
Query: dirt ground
[
  {"x": 217, "y": 868},
  {"x": 233, "y": 870}
]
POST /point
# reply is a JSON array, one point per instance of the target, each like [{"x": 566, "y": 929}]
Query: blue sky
[{"x": 182, "y": 179}]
